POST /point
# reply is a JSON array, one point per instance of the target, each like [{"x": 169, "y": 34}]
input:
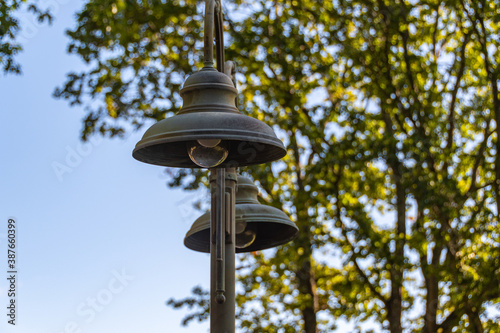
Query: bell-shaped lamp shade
[
  {"x": 209, "y": 131},
  {"x": 258, "y": 226}
]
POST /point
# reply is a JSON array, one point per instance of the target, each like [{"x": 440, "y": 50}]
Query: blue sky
[{"x": 100, "y": 236}]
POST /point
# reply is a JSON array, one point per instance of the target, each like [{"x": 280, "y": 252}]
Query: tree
[
  {"x": 9, "y": 29},
  {"x": 389, "y": 110}
]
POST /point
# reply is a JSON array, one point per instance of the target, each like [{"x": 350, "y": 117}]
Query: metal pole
[
  {"x": 222, "y": 259},
  {"x": 208, "y": 34},
  {"x": 223, "y": 189}
]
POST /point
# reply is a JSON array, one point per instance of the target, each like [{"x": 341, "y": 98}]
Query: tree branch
[{"x": 460, "y": 73}]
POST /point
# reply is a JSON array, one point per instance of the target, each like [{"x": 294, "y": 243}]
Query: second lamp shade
[{"x": 258, "y": 226}]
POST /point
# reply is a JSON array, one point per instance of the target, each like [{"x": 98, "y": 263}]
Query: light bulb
[
  {"x": 207, "y": 153},
  {"x": 244, "y": 236},
  {"x": 209, "y": 143}
]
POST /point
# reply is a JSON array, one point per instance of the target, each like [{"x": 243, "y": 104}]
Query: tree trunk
[
  {"x": 307, "y": 286},
  {"x": 432, "y": 298},
  {"x": 482, "y": 38},
  {"x": 306, "y": 278},
  {"x": 394, "y": 304},
  {"x": 305, "y": 273},
  {"x": 395, "y": 300},
  {"x": 474, "y": 321}
]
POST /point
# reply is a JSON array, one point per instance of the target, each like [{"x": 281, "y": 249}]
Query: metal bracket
[{"x": 214, "y": 21}]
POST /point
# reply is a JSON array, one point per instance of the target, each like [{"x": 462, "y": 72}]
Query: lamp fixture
[
  {"x": 257, "y": 226},
  {"x": 209, "y": 115}
]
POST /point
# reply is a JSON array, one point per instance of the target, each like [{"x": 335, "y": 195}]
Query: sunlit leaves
[
  {"x": 138, "y": 54},
  {"x": 10, "y": 29}
]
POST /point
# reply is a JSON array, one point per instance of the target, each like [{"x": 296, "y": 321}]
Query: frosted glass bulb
[
  {"x": 207, "y": 153},
  {"x": 209, "y": 143},
  {"x": 244, "y": 237},
  {"x": 240, "y": 226}
]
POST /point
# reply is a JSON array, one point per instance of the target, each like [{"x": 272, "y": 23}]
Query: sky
[{"x": 99, "y": 236}]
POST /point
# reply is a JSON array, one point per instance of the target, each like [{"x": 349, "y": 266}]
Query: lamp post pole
[{"x": 222, "y": 250}]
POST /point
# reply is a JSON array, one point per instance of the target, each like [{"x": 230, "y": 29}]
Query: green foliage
[
  {"x": 9, "y": 28},
  {"x": 389, "y": 110},
  {"x": 138, "y": 53},
  {"x": 200, "y": 301}
]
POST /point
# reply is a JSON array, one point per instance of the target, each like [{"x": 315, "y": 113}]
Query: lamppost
[{"x": 210, "y": 132}]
